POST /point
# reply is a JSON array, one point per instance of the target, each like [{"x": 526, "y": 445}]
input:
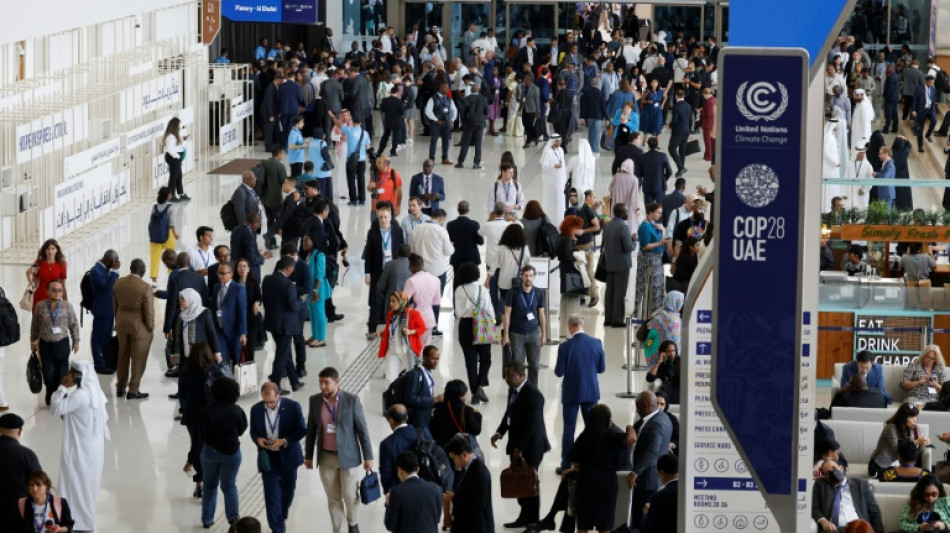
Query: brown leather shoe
[{"x": 447, "y": 162}]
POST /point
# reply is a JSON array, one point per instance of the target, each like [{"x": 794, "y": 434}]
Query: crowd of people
[{"x": 318, "y": 112}]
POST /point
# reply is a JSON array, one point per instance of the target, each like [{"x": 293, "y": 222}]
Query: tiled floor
[{"x": 143, "y": 487}]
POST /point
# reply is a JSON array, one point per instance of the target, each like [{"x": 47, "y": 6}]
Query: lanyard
[
  {"x": 42, "y": 521},
  {"x": 558, "y": 156},
  {"x": 857, "y": 168},
  {"x": 257, "y": 200},
  {"x": 387, "y": 237},
  {"x": 204, "y": 258},
  {"x": 507, "y": 191},
  {"x": 336, "y": 405},
  {"x": 273, "y": 426},
  {"x": 528, "y": 303},
  {"x": 54, "y": 315}
]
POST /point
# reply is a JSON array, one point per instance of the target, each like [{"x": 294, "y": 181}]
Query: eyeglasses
[
  {"x": 54, "y": 290},
  {"x": 932, "y": 494},
  {"x": 224, "y": 273}
]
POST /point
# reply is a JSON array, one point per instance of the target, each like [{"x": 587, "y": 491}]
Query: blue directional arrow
[
  {"x": 805, "y": 24},
  {"x": 704, "y": 316}
]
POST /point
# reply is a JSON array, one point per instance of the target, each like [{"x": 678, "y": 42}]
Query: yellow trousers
[{"x": 156, "y": 249}]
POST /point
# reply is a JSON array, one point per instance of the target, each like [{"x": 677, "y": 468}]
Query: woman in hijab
[
  {"x": 316, "y": 301},
  {"x": 193, "y": 324},
  {"x": 625, "y": 189},
  {"x": 667, "y": 321},
  {"x": 401, "y": 339},
  {"x": 900, "y": 151},
  {"x": 582, "y": 169},
  {"x": 667, "y": 370},
  {"x": 830, "y": 163},
  {"x": 874, "y": 146},
  {"x": 80, "y": 402}
]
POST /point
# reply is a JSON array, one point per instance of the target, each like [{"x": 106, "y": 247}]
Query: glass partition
[{"x": 675, "y": 19}]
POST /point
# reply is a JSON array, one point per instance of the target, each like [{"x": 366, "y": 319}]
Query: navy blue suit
[
  {"x": 233, "y": 320},
  {"x": 875, "y": 377},
  {"x": 279, "y": 296},
  {"x": 303, "y": 283},
  {"x": 417, "y": 188},
  {"x": 418, "y": 399},
  {"x": 579, "y": 360},
  {"x": 184, "y": 279},
  {"x": 290, "y": 100},
  {"x": 925, "y": 112},
  {"x": 103, "y": 313},
  {"x": 415, "y": 506},
  {"x": 892, "y": 95},
  {"x": 655, "y": 170},
  {"x": 401, "y": 439},
  {"x": 244, "y": 246},
  {"x": 681, "y": 126},
  {"x": 280, "y": 482}
]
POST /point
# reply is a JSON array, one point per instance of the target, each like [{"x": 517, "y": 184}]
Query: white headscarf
[
  {"x": 583, "y": 168},
  {"x": 193, "y": 306},
  {"x": 90, "y": 384},
  {"x": 550, "y": 146}
]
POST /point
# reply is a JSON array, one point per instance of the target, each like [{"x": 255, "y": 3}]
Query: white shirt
[
  {"x": 676, "y": 217},
  {"x": 466, "y": 298},
  {"x": 172, "y": 147},
  {"x": 846, "y": 511},
  {"x": 431, "y": 241},
  {"x": 453, "y": 111},
  {"x": 272, "y": 416},
  {"x": 646, "y": 419},
  {"x": 492, "y": 231},
  {"x": 507, "y": 264},
  {"x": 509, "y": 194},
  {"x": 201, "y": 259}
]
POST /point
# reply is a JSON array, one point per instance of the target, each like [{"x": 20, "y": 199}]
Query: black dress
[
  {"x": 596, "y": 492},
  {"x": 255, "y": 323},
  {"x": 900, "y": 151}
]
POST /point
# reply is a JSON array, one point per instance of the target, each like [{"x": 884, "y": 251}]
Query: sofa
[{"x": 859, "y": 439}]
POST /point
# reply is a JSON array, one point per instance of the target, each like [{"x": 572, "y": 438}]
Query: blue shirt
[
  {"x": 353, "y": 140},
  {"x": 222, "y": 60},
  {"x": 314, "y": 153},
  {"x": 260, "y": 52},
  {"x": 522, "y": 303},
  {"x": 648, "y": 234},
  {"x": 295, "y": 155}
]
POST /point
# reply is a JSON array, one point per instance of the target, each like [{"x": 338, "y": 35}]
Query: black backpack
[
  {"x": 229, "y": 216},
  {"x": 942, "y": 81},
  {"x": 88, "y": 296},
  {"x": 434, "y": 464},
  {"x": 396, "y": 390},
  {"x": 9, "y": 323},
  {"x": 547, "y": 238}
]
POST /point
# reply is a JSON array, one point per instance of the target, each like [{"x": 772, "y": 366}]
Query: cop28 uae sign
[{"x": 756, "y": 344}]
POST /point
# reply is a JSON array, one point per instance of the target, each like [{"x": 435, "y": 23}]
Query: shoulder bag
[
  {"x": 516, "y": 280},
  {"x": 461, "y": 427},
  {"x": 484, "y": 329},
  {"x": 26, "y": 301}
]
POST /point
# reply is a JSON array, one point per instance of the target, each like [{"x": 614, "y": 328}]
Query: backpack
[
  {"x": 396, "y": 390},
  {"x": 9, "y": 323},
  {"x": 229, "y": 216},
  {"x": 88, "y": 295},
  {"x": 547, "y": 238},
  {"x": 942, "y": 81},
  {"x": 57, "y": 507},
  {"x": 434, "y": 464},
  {"x": 158, "y": 225}
]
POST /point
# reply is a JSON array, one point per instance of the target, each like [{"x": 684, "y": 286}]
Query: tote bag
[
  {"x": 245, "y": 373},
  {"x": 484, "y": 329}
]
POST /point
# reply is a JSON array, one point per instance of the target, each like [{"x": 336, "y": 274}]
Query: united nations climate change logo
[
  {"x": 762, "y": 101},
  {"x": 757, "y": 185}
]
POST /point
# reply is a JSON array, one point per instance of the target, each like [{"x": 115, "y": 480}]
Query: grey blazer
[
  {"x": 244, "y": 203},
  {"x": 618, "y": 245},
  {"x": 652, "y": 442},
  {"x": 331, "y": 91},
  {"x": 532, "y": 100},
  {"x": 352, "y": 436}
]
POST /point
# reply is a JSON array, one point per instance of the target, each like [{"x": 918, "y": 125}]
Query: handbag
[
  {"x": 484, "y": 328},
  {"x": 643, "y": 331},
  {"x": 600, "y": 273},
  {"x": 574, "y": 284},
  {"x": 245, "y": 373},
  {"x": 26, "y": 301},
  {"x": 34, "y": 373},
  {"x": 370, "y": 491},
  {"x": 692, "y": 147},
  {"x": 606, "y": 142},
  {"x": 519, "y": 480},
  {"x": 263, "y": 460}
]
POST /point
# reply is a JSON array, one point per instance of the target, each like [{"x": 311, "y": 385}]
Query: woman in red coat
[
  {"x": 401, "y": 339},
  {"x": 50, "y": 265}
]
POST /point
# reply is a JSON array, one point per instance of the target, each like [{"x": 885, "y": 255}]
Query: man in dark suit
[
  {"x": 402, "y": 438},
  {"x": 631, "y": 150},
  {"x": 474, "y": 113},
  {"x": 681, "y": 128},
  {"x": 281, "y": 319},
  {"x": 185, "y": 278},
  {"x": 427, "y": 186},
  {"x": 858, "y": 394},
  {"x": 103, "y": 275},
  {"x": 579, "y": 360},
  {"x": 664, "y": 506},
  {"x": 303, "y": 283},
  {"x": 420, "y": 397},
  {"x": 245, "y": 198},
  {"x": 356, "y": 91},
  {"x": 393, "y": 111},
  {"x": 277, "y": 426},
  {"x": 290, "y": 99},
  {"x": 826, "y": 500},
  {"x": 527, "y": 54},
  {"x": 331, "y": 93},
  {"x": 415, "y": 505},
  {"x": 925, "y": 109},
  {"x": 471, "y": 504},
  {"x": 873, "y": 373},
  {"x": 524, "y": 419},
  {"x": 463, "y": 232},
  {"x": 270, "y": 113},
  {"x": 17, "y": 462},
  {"x": 223, "y": 256},
  {"x": 244, "y": 245},
  {"x": 618, "y": 245},
  {"x": 673, "y": 201},
  {"x": 655, "y": 171},
  {"x": 653, "y": 440},
  {"x": 382, "y": 241},
  {"x": 229, "y": 308}
]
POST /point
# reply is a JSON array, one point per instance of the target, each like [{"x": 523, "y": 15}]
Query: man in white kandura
[
  {"x": 861, "y": 120},
  {"x": 553, "y": 179},
  {"x": 79, "y": 400},
  {"x": 860, "y": 169}
]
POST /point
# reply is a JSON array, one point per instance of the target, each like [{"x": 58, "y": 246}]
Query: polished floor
[{"x": 144, "y": 488}]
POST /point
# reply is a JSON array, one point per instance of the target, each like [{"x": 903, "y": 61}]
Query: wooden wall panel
[{"x": 834, "y": 346}]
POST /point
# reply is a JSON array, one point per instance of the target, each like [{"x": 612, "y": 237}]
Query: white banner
[
  {"x": 230, "y": 135},
  {"x": 52, "y": 132},
  {"x": 91, "y": 158},
  {"x": 87, "y": 197},
  {"x": 242, "y": 111},
  {"x": 150, "y": 95}
]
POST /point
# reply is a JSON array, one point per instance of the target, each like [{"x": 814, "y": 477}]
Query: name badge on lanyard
[
  {"x": 54, "y": 316},
  {"x": 331, "y": 427}
]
